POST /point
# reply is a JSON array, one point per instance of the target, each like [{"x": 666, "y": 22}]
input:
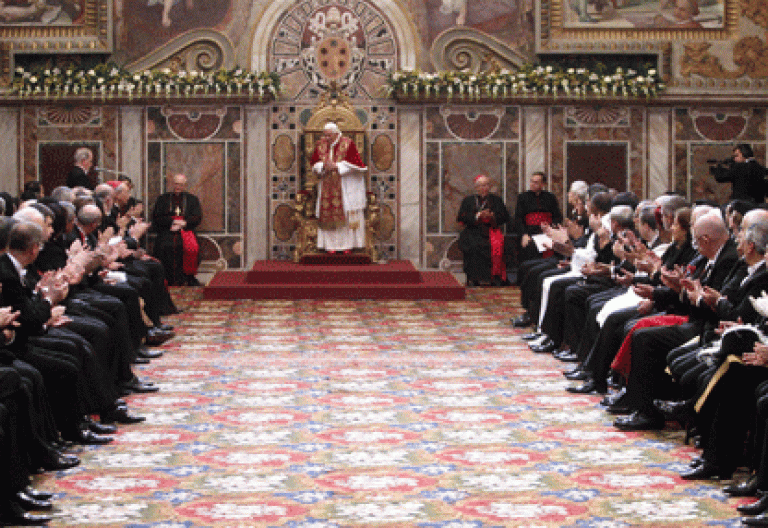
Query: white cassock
[{"x": 353, "y": 194}]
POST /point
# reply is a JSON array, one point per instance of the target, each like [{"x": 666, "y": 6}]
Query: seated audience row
[
  {"x": 80, "y": 302},
  {"x": 665, "y": 303}
]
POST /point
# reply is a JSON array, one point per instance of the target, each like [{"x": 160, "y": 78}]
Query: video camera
[{"x": 720, "y": 166}]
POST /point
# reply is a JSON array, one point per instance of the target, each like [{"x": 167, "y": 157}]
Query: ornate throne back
[{"x": 337, "y": 109}]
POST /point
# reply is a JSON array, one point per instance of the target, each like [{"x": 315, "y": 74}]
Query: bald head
[
  {"x": 179, "y": 183},
  {"x": 710, "y": 233}
]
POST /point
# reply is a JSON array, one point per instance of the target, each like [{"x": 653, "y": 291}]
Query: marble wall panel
[
  {"x": 39, "y": 129},
  {"x": 461, "y": 163},
  {"x": 509, "y": 126},
  {"x": 432, "y": 187}
]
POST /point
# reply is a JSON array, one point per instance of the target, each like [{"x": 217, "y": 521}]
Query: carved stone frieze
[
  {"x": 468, "y": 49},
  {"x": 201, "y": 50}
]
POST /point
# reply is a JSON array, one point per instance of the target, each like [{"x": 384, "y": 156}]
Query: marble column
[
  {"x": 10, "y": 164},
  {"x": 534, "y": 143},
  {"x": 256, "y": 184},
  {"x": 131, "y": 157},
  {"x": 411, "y": 212},
  {"x": 659, "y": 155}
]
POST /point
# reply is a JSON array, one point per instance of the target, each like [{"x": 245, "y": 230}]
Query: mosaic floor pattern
[{"x": 309, "y": 414}]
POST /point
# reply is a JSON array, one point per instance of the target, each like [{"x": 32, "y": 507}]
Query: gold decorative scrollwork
[
  {"x": 750, "y": 55},
  {"x": 202, "y": 50},
  {"x": 756, "y": 11},
  {"x": 699, "y": 61},
  {"x": 471, "y": 50}
]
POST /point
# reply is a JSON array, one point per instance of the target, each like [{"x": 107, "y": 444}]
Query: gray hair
[
  {"x": 89, "y": 214},
  {"x": 82, "y": 154},
  {"x": 580, "y": 189},
  {"x": 63, "y": 194},
  {"x": 757, "y": 233}
]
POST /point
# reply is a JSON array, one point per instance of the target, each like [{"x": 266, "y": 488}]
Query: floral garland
[
  {"x": 529, "y": 81},
  {"x": 109, "y": 80}
]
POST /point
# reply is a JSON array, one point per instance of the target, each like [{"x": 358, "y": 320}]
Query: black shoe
[
  {"x": 522, "y": 321},
  {"x": 577, "y": 375},
  {"x": 588, "y": 387},
  {"x": 138, "y": 386},
  {"x": 472, "y": 284},
  {"x": 99, "y": 428},
  {"x": 166, "y": 327},
  {"x": 531, "y": 336},
  {"x": 613, "y": 398},
  {"x": 567, "y": 356},
  {"x": 37, "y": 494},
  {"x": 696, "y": 462},
  {"x": 754, "y": 508},
  {"x": 675, "y": 410},
  {"x": 31, "y": 503},
  {"x": 496, "y": 282},
  {"x": 14, "y": 515},
  {"x": 140, "y": 361},
  {"x": 120, "y": 415},
  {"x": 88, "y": 437},
  {"x": 638, "y": 421},
  {"x": 52, "y": 460},
  {"x": 144, "y": 352},
  {"x": 547, "y": 347},
  {"x": 748, "y": 488},
  {"x": 156, "y": 337},
  {"x": 760, "y": 520},
  {"x": 706, "y": 471}
]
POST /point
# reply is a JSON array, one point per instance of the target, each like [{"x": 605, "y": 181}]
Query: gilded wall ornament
[
  {"x": 756, "y": 11},
  {"x": 699, "y": 61},
  {"x": 750, "y": 55}
]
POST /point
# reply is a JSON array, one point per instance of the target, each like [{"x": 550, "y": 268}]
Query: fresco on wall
[
  {"x": 645, "y": 14},
  {"x": 45, "y": 12},
  {"x": 511, "y": 22},
  {"x": 144, "y": 25}
]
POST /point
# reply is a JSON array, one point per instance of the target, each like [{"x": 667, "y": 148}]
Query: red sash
[
  {"x": 189, "y": 250},
  {"x": 497, "y": 253},
  {"x": 536, "y": 219},
  {"x": 623, "y": 361}
]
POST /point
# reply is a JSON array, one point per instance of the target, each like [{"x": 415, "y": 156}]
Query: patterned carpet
[{"x": 329, "y": 414}]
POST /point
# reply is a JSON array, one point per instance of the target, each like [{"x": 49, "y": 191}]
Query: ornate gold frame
[
  {"x": 554, "y": 36},
  {"x": 92, "y": 35}
]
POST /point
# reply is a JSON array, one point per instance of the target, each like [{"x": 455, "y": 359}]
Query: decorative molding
[
  {"x": 202, "y": 50},
  {"x": 467, "y": 49}
]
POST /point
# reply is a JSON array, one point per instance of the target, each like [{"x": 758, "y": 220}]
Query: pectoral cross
[{"x": 178, "y": 211}]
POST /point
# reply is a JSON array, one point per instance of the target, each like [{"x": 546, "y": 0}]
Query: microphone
[{"x": 112, "y": 171}]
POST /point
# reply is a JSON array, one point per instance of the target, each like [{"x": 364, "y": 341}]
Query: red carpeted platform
[{"x": 270, "y": 279}]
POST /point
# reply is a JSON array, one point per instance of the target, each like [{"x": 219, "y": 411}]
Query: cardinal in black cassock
[
  {"x": 481, "y": 241},
  {"x": 175, "y": 216}
]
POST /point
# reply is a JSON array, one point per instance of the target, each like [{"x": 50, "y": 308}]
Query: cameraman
[{"x": 746, "y": 175}]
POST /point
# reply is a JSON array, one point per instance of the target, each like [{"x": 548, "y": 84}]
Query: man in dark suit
[
  {"x": 534, "y": 208},
  {"x": 78, "y": 175},
  {"x": 745, "y": 174},
  {"x": 650, "y": 346}
]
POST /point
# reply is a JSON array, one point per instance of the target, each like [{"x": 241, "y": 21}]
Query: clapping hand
[
  {"x": 760, "y": 304},
  {"x": 8, "y": 317},
  {"x": 757, "y": 358}
]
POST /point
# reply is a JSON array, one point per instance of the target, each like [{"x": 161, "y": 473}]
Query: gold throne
[{"x": 337, "y": 108}]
